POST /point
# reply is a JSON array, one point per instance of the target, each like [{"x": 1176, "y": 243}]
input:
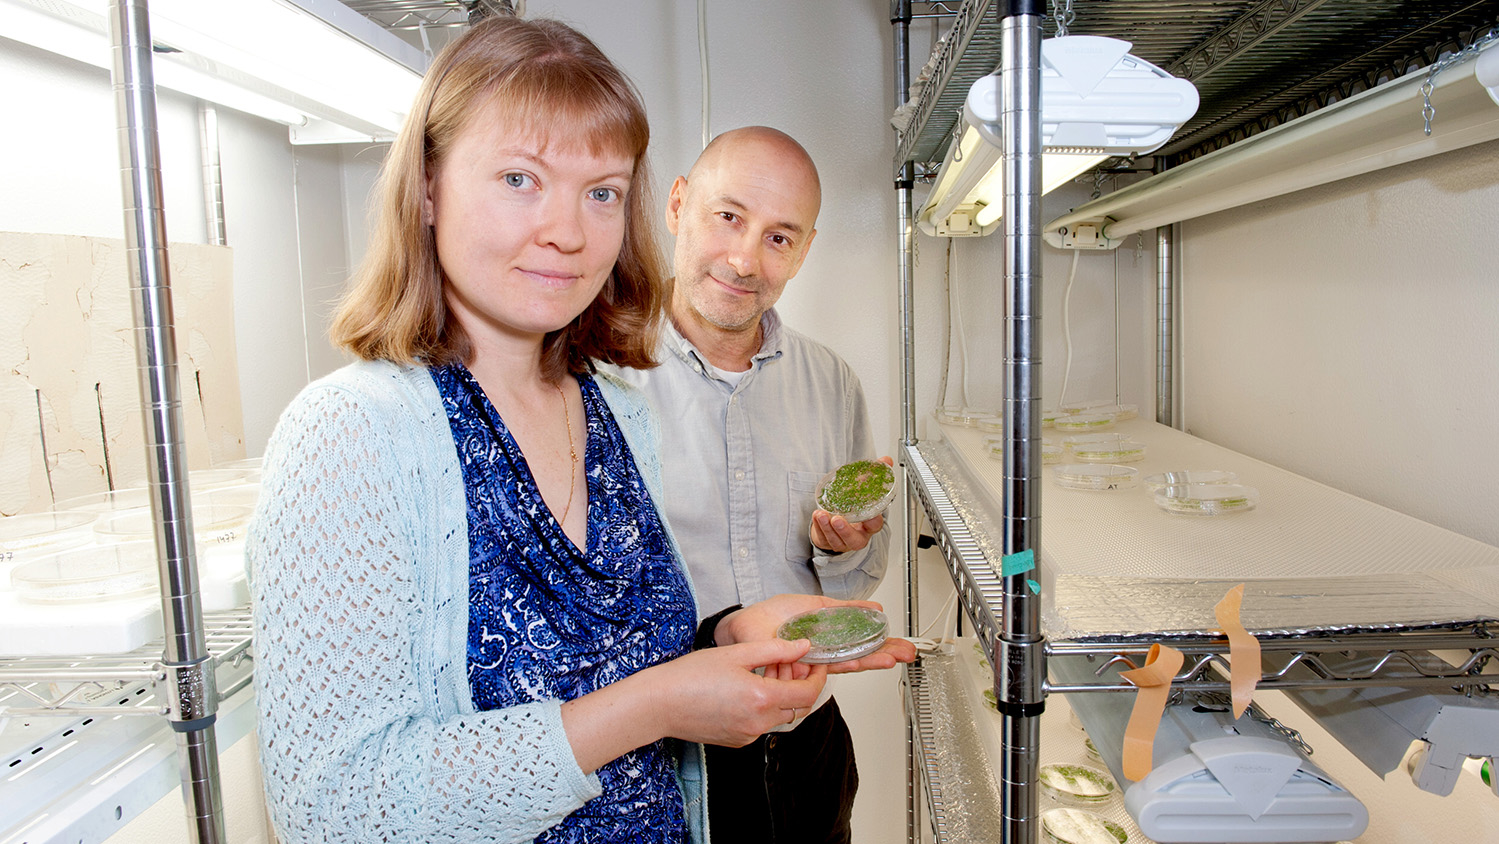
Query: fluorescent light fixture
[
  {"x": 1097, "y": 101},
  {"x": 1486, "y": 70},
  {"x": 1374, "y": 129},
  {"x": 314, "y": 65}
]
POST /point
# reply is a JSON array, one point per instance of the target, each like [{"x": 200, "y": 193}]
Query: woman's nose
[{"x": 562, "y": 225}]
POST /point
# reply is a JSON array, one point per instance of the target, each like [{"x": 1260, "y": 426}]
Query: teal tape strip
[
  {"x": 1017, "y": 563},
  {"x": 1035, "y": 587}
]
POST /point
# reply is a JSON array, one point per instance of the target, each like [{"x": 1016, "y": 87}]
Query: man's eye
[{"x": 515, "y": 180}]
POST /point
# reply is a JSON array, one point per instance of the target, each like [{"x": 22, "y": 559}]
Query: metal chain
[
  {"x": 1222, "y": 702},
  {"x": 1429, "y": 111},
  {"x": 1064, "y": 16}
]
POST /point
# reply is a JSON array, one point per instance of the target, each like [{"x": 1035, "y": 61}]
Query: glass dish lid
[{"x": 837, "y": 633}]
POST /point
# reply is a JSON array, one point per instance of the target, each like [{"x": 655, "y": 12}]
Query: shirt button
[
  {"x": 744, "y": 552},
  {"x": 739, "y": 475}
]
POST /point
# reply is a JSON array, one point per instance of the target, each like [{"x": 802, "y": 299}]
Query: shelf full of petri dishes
[{"x": 82, "y": 577}]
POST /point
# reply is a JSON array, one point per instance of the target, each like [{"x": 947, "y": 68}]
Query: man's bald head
[{"x": 793, "y": 156}]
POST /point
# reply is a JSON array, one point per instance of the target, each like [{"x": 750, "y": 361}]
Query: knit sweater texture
[{"x": 358, "y": 558}]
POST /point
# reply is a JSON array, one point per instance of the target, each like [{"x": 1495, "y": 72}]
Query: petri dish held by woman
[{"x": 837, "y": 633}]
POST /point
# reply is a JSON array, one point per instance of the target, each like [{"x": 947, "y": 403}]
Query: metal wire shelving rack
[{"x": 1389, "y": 658}]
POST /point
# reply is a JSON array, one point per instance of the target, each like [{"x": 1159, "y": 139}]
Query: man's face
[{"x": 743, "y": 224}]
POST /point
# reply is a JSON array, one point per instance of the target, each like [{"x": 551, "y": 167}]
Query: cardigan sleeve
[{"x": 346, "y": 555}]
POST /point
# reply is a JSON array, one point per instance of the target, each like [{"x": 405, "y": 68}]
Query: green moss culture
[
  {"x": 837, "y": 633},
  {"x": 855, "y": 486}
]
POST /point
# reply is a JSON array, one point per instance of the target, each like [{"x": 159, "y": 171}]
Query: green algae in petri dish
[
  {"x": 1080, "y": 826},
  {"x": 837, "y": 633},
  {"x": 857, "y": 491},
  {"x": 1076, "y": 784}
]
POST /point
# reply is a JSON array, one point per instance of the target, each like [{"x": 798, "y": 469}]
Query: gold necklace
[{"x": 572, "y": 451}]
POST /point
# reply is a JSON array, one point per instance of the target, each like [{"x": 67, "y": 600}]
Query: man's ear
[{"x": 674, "y": 202}]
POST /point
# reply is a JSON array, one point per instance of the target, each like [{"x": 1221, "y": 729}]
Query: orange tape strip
[
  {"x": 1245, "y": 670},
  {"x": 1154, "y": 682}
]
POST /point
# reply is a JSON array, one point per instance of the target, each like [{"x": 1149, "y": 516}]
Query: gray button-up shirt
[{"x": 740, "y": 463}]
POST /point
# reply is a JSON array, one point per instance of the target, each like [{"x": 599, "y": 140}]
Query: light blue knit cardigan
[{"x": 358, "y": 560}]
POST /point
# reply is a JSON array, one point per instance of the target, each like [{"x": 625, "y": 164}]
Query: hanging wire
[
  {"x": 1429, "y": 111},
  {"x": 702, "y": 57}
]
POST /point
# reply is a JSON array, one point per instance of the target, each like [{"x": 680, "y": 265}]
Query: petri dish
[
  {"x": 1080, "y": 826},
  {"x": 1207, "y": 499},
  {"x": 1121, "y": 412},
  {"x": 1049, "y": 418},
  {"x": 1076, "y": 785},
  {"x": 1087, "y": 406},
  {"x": 1091, "y": 749},
  {"x": 1050, "y": 452},
  {"x": 1085, "y": 439},
  {"x": 970, "y": 416},
  {"x": 212, "y": 523},
  {"x": 949, "y": 414},
  {"x": 249, "y": 464},
  {"x": 1121, "y": 451},
  {"x": 113, "y": 501},
  {"x": 1084, "y": 422},
  {"x": 31, "y": 536},
  {"x": 990, "y": 424},
  {"x": 1156, "y": 482},
  {"x": 837, "y": 633},
  {"x": 239, "y": 495},
  {"x": 1099, "y": 476},
  {"x": 93, "y": 573},
  {"x": 857, "y": 491}
]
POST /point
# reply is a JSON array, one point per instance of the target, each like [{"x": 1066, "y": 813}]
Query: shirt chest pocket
[{"x": 800, "y": 503}]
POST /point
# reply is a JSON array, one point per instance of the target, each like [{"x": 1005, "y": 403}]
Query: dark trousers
[{"x": 785, "y": 788}]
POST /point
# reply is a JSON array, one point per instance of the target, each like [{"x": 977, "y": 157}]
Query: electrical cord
[
  {"x": 702, "y": 59},
  {"x": 1067, "y": 327}
]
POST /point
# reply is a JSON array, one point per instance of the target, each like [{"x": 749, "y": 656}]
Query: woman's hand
[{"x": 758, "y": 622}]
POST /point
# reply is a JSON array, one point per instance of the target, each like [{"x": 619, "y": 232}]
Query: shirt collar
[{"x": 770, "y": 343}]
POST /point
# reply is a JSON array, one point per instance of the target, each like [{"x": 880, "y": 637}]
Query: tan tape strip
[
  {"x": 1154, "y": 682},
  {"x": 1243, "y": 650}
]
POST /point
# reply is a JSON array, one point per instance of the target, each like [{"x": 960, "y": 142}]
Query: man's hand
[{"x": 838, "y": 535}]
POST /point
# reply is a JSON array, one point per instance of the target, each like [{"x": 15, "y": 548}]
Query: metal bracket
[{"x": 189, "y": 693}]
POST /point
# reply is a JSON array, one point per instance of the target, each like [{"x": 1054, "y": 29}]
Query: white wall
[
  {"x": 62, "y": 176},
  {"x": 1346, "y": 332}
]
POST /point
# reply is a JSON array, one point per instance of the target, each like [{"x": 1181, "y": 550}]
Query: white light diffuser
[
  {"x": 1097, "y": 101},
  {"x": 1374, "y": 129},
  {"x": 314, "y": 65}
]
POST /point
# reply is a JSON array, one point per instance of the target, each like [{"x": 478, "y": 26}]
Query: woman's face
[{"x": 527, "y": 232}]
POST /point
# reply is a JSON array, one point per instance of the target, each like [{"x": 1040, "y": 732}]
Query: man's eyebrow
[{"x": 794, "y": 228}]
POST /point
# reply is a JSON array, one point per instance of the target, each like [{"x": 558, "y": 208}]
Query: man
[{"x": 753, "y": 415}]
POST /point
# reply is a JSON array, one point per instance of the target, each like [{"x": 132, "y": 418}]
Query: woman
[{"x": 471, "y": 622}]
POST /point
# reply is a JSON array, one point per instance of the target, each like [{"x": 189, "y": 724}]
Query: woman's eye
[
  {"x": 604, "y": 194},
  {"x": 516, "y": 180}
]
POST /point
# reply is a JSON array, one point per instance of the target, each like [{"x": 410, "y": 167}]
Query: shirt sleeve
[
  {"x": 855, "y": 575},
  {"x": 353, "y": 743}
]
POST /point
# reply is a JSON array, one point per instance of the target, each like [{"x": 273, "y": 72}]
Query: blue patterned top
[{"x": 549, "y": 621}]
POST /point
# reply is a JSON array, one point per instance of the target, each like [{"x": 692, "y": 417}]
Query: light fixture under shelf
[
  {"x": 316, "y": 66},
  {"x": 1097, "y": 101},
  {"x": 1374, "y": 129}
]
